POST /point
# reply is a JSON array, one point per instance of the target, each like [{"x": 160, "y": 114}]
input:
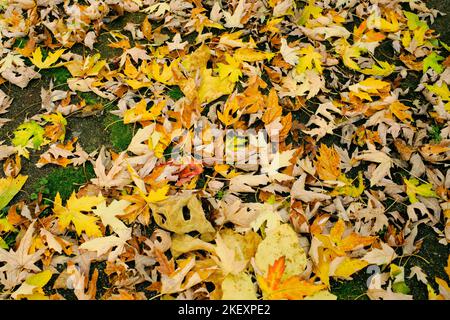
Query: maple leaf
[
  {"x": 252, "y": 55},
  {"x": 383, "y": 69},
  {"x": 339, "y": 245},
  {"x": 441, "y": 90},
  {"x": 232, "y": 70},
  {"x": 57, "y": 129},
  {"x": 71, "y": 213},
  {"x": 413, "y": 187},
  {"x": 18, "y": 262},
  {"x": 108, "y": 214},
  {"x": 349, "y": 188},
  {"x": 89, "y": 66},
  {"x": 383, "y": 256},
  {"x": 298, "y": 191},
  {"x": 401, "y": 111},
  {"x": 102, "y": 245},
  {"x": 347, "y": 267},
  {"x": 348, "y": 53},
  {"x": 9, "y": 187},
  {"x": 245, "y": 182},
  {"x": 139, "y": 112},
  {"x": 234, "y": 20},
  {"x": 212, "y": 88},
  {"x": 140, "y": 204},
  {"x": 367, "y": 87},
  {"x": 274, "y": 110},
  {"x": 328, "y": 163},
  {"x": 231, "y": 107},
  {"x": 290, "y": 54},
  {"x": 28, "y": 135},
  {"x": 31, "y": 289},
  {"x": 52, "y": 57},
  {"x": 385, "y": 163},
  {"x": 309, "y": 57},
  {"x": 432, "y": 61},
  {"x": 292, "y": 288},
  {"x": 309, "y": 11}
]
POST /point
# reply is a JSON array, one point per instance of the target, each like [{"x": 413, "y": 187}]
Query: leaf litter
[{"x": 320, "y": 208}]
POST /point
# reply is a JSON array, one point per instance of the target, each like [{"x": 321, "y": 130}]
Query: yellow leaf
[
  {"x": 183, "y": 243},
  {"x": 384, "y": 69},
  {"x": 401, "y": 111},
  {"x": 348, "y": 267},
  {"x": 233, "y": 251},
  {"x": 232, "y": 70},
  {"x": 52, "y": 57},
  {"x": 71, "y": 213},
  {"x": 339, "y": 245},
  {"x": 309, "y": 57},
  {"x": 31, "y": 289},
  {"x": 238, "y": 287},
  {"x": 413, "y": 187},
  {"x": 139, "y": 112},
  {"x": 9, "y": 187},
  {"x": 252, "y": 55},
  {"x": 168, "y": 214},
  {"x": 348, "y": 52},
  {"x": 158, "y": 195},
  {"x": 212, "y": 88},
  {"x": 368, "y": 87},
  {"x": 90, "y": 66},
  {"x": 227, "y": 116},
  {"x": 350, "y": 188},
  {"x": 163, "y": 75},
  {"x": 441, "y": 90}
]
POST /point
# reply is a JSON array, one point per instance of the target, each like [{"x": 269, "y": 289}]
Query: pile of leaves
[{"x": 359, "y": 164}]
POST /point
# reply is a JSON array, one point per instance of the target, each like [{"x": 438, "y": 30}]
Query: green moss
[
  {"x": 59, "y": 76},
  {"x": 435, "y": 133},
  {"x": 91, "y": 98},
  {"x": 64, "y": 181},
  {"x": 120, "y": 133}
]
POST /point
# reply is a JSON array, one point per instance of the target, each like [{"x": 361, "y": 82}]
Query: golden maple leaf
[
  {"x": 52, "y": 57},
  {"x": 339, "y": 245},
  {"x": 71, "y": 213},
  {"x": 328, "y": 163}
]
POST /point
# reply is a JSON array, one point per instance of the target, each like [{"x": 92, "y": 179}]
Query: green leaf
[
  {"x": 446, "y": 47},
  {"x": 401, "y": 287},
  {"x": 413, "y": 187},
  {"x": 26, "y": 133},
  {"x": 432, "y": 61},
  {"x": 3, "y": 244},
  {"x": 414, "y": 21}
]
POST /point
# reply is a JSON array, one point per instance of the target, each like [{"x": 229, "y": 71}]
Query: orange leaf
[
  {"x": 292, "y": 288},
  {"x": 328, "y": 163},
  {"x": 273, "y": 110}
]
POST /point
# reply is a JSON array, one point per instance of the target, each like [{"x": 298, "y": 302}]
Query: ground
[{"x": 105, "y": 129}]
